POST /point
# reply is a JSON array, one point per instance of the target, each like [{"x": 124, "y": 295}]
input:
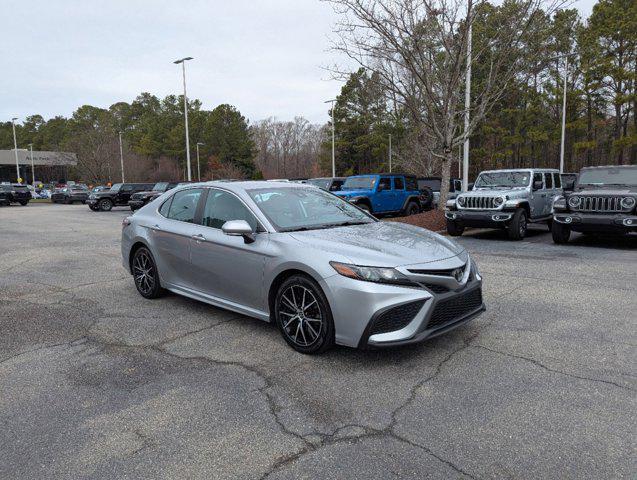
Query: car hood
[
  {"x": 384, "y": 244},
  {"x": 500, "y": 191},
  {"x": 352, "y": 193},
  {"x": 610, "y": 190}
]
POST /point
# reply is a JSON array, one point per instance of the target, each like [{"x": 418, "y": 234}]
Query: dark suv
[
  {"x": 118, "y": 195},
  {"x": 383, "y": 194},
  {"x": 14, "y": 194},
  {"x": 68, "y": 195},
  {"x": 604, "y": 200},
  {"x": 139, "y": 199}
]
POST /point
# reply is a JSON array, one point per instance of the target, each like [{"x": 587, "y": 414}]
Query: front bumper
[
  {"x": 357, "y": 305},
  {"x": 479, "y": 218},
  {"x": 597, "y": 222}
]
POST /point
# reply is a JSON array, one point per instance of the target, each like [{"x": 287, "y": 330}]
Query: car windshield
[
  {"x": 359, "y": 183},
  {"x": 116, "y": 187},
  {"x": 323, "y": 183},
  {"x": 503, "y": 179},
  {"x": 290, "y": 209},
  {"x": 608, "y": 176},
  {"x": 160, "y": 187},
  {"x": 21, "y": 188}
]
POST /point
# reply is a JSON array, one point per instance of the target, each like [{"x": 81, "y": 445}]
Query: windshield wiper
[{"x": 324, "y": 226}]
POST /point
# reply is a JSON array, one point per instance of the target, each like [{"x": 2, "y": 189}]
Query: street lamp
[
  {"x": 121, "y": 155},
  {"x": 467, "y": 107},
  {"x": 563, "y": 117},
  {"x": 390, "y": 153},
  {"x": 183, "y": 70},
  {"x": 32, "y": 167},
  {"x": 333, "y": 137},
  {"x": 15, "y": 149},
  {"x": 198, "y": 169}
]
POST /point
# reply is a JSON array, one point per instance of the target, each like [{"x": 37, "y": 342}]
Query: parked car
[
  {"x": 603, "y": 200},
  {"x": 433, "y": 183},
  {"x": 139, "y": 199},
  {"x": 329, "y": 184},
  {"x": 321, "y": 269},
  {"x": 383, "y": 194},
  {"x": 69, "y": 195},
  {"x": 507, "y": 199},
  {"x": 15, "y": 193},
  {"x": 118, "y": 195}
]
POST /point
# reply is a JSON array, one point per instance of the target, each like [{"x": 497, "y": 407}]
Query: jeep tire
[
  {"x": 518, "y": 225},
  {"x": 560, "y": 233},
  {"x": 364, "y": 206},
  {"x": 105, "y": 205},
  {"x": 454, "y": 229},
  {"x": 412, "y": 208}
]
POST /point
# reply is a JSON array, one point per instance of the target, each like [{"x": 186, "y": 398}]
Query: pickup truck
[{"x": 383, "y": 194}]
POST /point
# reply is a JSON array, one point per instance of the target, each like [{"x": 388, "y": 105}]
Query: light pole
[
  {"x": 467, "y": 106},
  {"x": 563, "y": 117},
  {"x": 333, "y": 137},
  {"x": 15, "y": 149},
  {"x": 198, "y": 169},
  {"x": 32, "y": 167},
  {"x": 121, "y": 156},
  {"x": 183, "y": 70},
  {"x": 390, "y": 153}
]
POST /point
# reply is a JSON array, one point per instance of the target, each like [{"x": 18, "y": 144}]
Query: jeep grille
[
  {"x": 478, "y": 203},
  {"x": 600, "y": 204}
]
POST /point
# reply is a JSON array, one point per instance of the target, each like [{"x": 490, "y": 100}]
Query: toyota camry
[{"x": 321, "y": 269}]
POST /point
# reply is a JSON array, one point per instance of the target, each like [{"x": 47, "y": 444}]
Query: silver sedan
[{"x": 320, "y": 268}]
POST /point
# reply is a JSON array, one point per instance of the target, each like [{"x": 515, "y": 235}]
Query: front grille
[
  {"x": 600, "y": 204},
  {"x": 435, "y": 288},
  {"x": 478, "y": 203},
  {"x": 396, "y": 318},
  {"x": 455, "y": 307}
]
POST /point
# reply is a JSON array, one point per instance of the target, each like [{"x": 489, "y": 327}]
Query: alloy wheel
[
  {"x": 300, "y": 315},
  {"x": 144, "y": 272}
]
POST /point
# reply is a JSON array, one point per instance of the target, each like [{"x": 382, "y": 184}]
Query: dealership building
[{"x": 48, "y": 166}]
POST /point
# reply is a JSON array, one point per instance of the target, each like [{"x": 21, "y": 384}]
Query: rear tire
[
  {"x": 517, "y": 227},
  {"x": 560, "y": 233},
  {"x": 454, "y": 229},
  {"x": 303, "y": 316},
  {"x": 23, "y": 202},
  {"x": 412, "y": 209},
  {"x": 106, "y": 205},
  {"x": 93, "y": 207},
  {"x": 145, "y": 274}
]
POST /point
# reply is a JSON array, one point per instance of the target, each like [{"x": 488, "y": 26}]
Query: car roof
[
  {"x": 609, "y": 166},
  {"x": 552, "y": 170}
]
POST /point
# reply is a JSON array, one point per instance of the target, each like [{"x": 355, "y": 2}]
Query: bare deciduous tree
[{"x": 418, "y": 48}]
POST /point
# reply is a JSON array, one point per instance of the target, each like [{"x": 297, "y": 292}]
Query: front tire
[
  {"x": 454, "y": 229},
  {"x": 106, "y": 205},
  {"x": 303, "y": 315},
  {"x": 364, "y": 206},
  {"x": 93, "y": 207},
  {"x": 24, "y": 202},
  {"x": 517, "y": 227},
  {"x": 145, "y": 274},
  {"x": 560, "y": 233}
]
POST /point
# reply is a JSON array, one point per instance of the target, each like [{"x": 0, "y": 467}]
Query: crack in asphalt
[{"x": 549, "y": 369}]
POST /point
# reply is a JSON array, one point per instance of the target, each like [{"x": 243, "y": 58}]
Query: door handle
[{"x": 199, "y": 237}]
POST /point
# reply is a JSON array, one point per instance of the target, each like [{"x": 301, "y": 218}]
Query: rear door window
[
  {"x": 557, "y": 180},
  {"x": 548, "y": 180},
  {"x": 399, "y": 183},
  {"x": 184, "y": 205}
]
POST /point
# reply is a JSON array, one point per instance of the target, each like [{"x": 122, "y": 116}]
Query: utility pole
[
  {"x": 32, "y": 167},
  {"x": 183, "y": 71},
  {"x": 15, "y": 149},
  {"x": 121, "y": 155},
  {"x": 390, "y": 153},
  {"x": 467, "y": 106},
  {"x": 563, "y": 117},
  {"x": 333, "y": 137}
]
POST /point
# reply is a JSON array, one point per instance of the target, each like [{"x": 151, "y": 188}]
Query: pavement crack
[{"x": 552, "y": 370}]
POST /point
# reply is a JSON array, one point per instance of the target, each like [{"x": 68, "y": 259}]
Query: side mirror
[
  {"x": 537, "y": 185},
  {"x": 238, "y": 228},
  {"x": 569, "y": 185}
]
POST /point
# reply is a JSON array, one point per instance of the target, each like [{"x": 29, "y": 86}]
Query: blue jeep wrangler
[{"x": 383, "y": 194}]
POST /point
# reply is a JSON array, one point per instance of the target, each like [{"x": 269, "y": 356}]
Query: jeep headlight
[
  {"x": 461, "y": 201},
  {"x": 628, "y": 203},
  {"x": 497, "y": 201},
  {"x": 574, "y": 201}
]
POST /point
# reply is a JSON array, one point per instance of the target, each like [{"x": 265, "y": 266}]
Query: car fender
[{"x": 415, "y": 198}]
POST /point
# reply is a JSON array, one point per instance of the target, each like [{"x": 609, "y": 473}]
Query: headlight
[
  {"x": 461, "y": 201},
  {"x": 497, "y": 201},
  {"x": 574, "y": 201},
  {"x": 371, "y": 274},
  {"x": 628, "y": 202}
]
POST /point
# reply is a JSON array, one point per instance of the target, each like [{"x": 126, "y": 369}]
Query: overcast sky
[{"x": 263, "y": 56}]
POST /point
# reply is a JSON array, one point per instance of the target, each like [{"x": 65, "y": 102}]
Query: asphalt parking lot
[{"x": 96, "y": 382}]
